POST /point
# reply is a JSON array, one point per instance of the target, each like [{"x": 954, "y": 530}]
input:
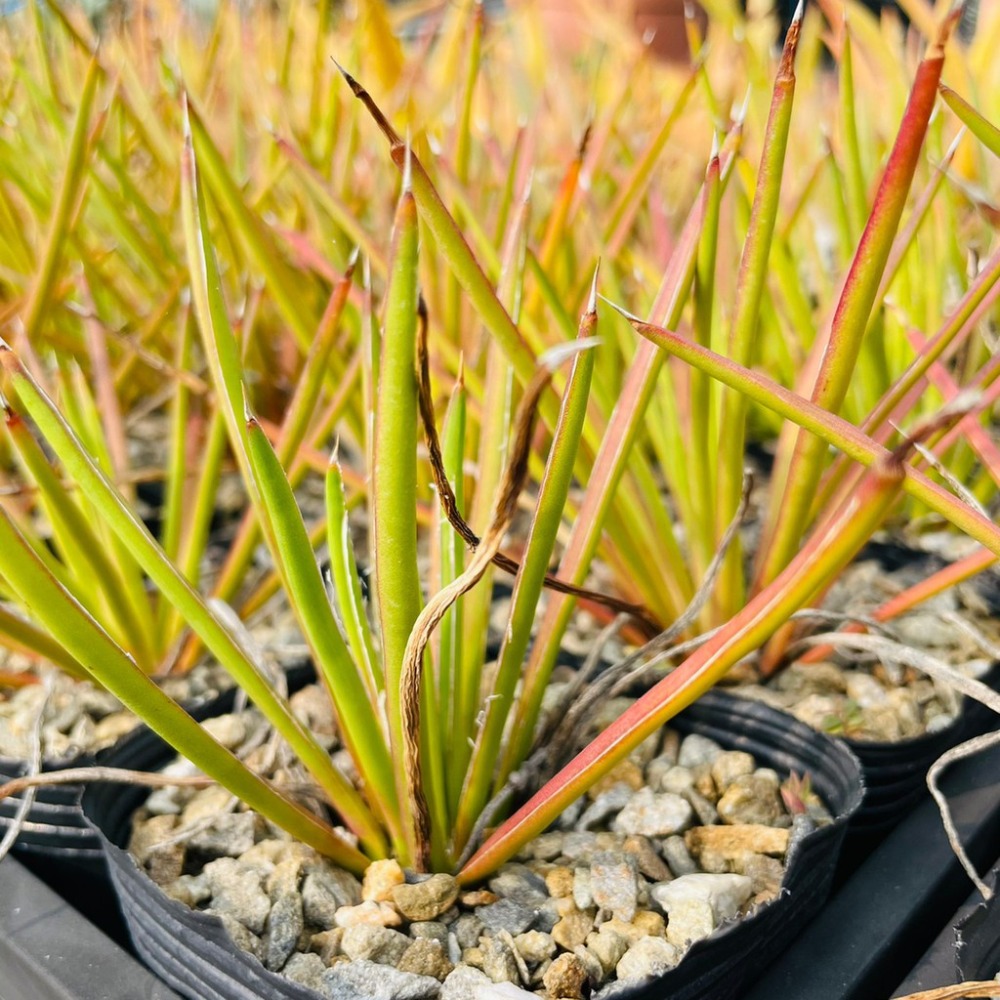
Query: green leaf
[
  {"x": 69, "y": 624},
  {"x": 985, "y": 131},
  {"x": 115, "y": 512},
  {"x": 394, "y": 471},
  {"x": 528, "y": 584}
]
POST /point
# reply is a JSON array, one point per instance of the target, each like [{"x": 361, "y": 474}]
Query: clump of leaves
[{"x": 426, "y": 790}]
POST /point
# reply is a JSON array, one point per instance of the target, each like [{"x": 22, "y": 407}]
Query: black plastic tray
[
  {"x": 49, "y": 952},
  {"x": 968, "y": 949}
]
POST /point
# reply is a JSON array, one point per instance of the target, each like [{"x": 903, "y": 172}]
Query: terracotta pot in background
[
  {"x": 665, "y": 20},
  {"x": 573, "y": 23}
]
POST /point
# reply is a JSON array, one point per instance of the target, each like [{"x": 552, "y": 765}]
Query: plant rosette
[{"x": 681, "y": 871}]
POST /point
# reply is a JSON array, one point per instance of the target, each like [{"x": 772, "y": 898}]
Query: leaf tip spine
[
  {"x": 248, "y": 416},
  {"x": 408, "y": 167},
  {"x": 631, "y": 317},
  {"x": 592, "y": 301},
  {"x": 740, "y": 113}
]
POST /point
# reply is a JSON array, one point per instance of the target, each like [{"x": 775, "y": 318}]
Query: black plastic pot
[
  {"x": 895, "y": 773},
  {"x": 55, "y": 829},
  {"x": 191, "y": 951},
  {"x": 55, "y": 825},
  {"x": 869, "y": 939}
]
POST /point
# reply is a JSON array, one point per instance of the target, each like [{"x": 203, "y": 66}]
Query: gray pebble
[
  {"x": 284, "y": 927},
  {"x": 464, "y": 983},
  {"x": 243, "y": 938},
  {"x": 229, "y": 836},
  {"x": 547, "y": 916},
  {"x": 237, "y": 891},
  {"x": 605, "y": 805},
  {"x": 676, "y": 779},
  {"x": 654, "y": 815},
  {"x": 697, "y": 749},
  {"x": 467, "y": 930},
  {"x": 507, "y": 915},
  {"x": 430, "y": 930},
  {"x": 569, "y": 816},
  {"x": 548, "y": 846},
  {"x": 376, "y": 944},
  {"x": 583, "y": 892},
  {"x": 305, "y": 968},
  {"x": 707, "y": 814},
  {"x": 363, "y": 980},
  {"x": 519, "y": 883},
  {"x": 614, "y": 883},
  {"x": 499, "y": 961},
  {"x": 678, "y": 857}
]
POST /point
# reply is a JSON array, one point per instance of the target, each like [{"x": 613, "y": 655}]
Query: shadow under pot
[{"x": 192, "y": 952}]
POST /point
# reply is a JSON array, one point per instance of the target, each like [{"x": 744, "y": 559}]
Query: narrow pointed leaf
[{"x": 110, "y": 667}]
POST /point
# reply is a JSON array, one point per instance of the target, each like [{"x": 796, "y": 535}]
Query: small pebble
[
  {"x": 654, "y": 815},
  {"x": 565, "y": 977},
  {"x": 428, "y": 899},
  {"x": 425, "y": 957},
  {"x": 364, "y": 980},
  {"x": 369, "y": 912},
  {"x": 697, "y": 749},
  {"x": 535, "y": 946},
  {"x": 613, "y": 883},
  {"x": 573, "y": 929},
  {"x": 381, "y": 877},
  {"x": 751, "y": 799},
  {"x": 499, "y": 960},
  {"x": 646, "y": 958}
]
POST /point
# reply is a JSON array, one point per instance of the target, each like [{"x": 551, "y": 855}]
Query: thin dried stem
[
  {"x": 449, "y": 504},
  {"x": 970, "y": 990},
  {"x": 963, "y": 750},
  {"x": 34, "y": 765},
  {"x": 504, "y": 508}
]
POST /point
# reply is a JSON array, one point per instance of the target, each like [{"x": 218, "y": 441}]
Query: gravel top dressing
[{"x": 681, "y": 838}]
